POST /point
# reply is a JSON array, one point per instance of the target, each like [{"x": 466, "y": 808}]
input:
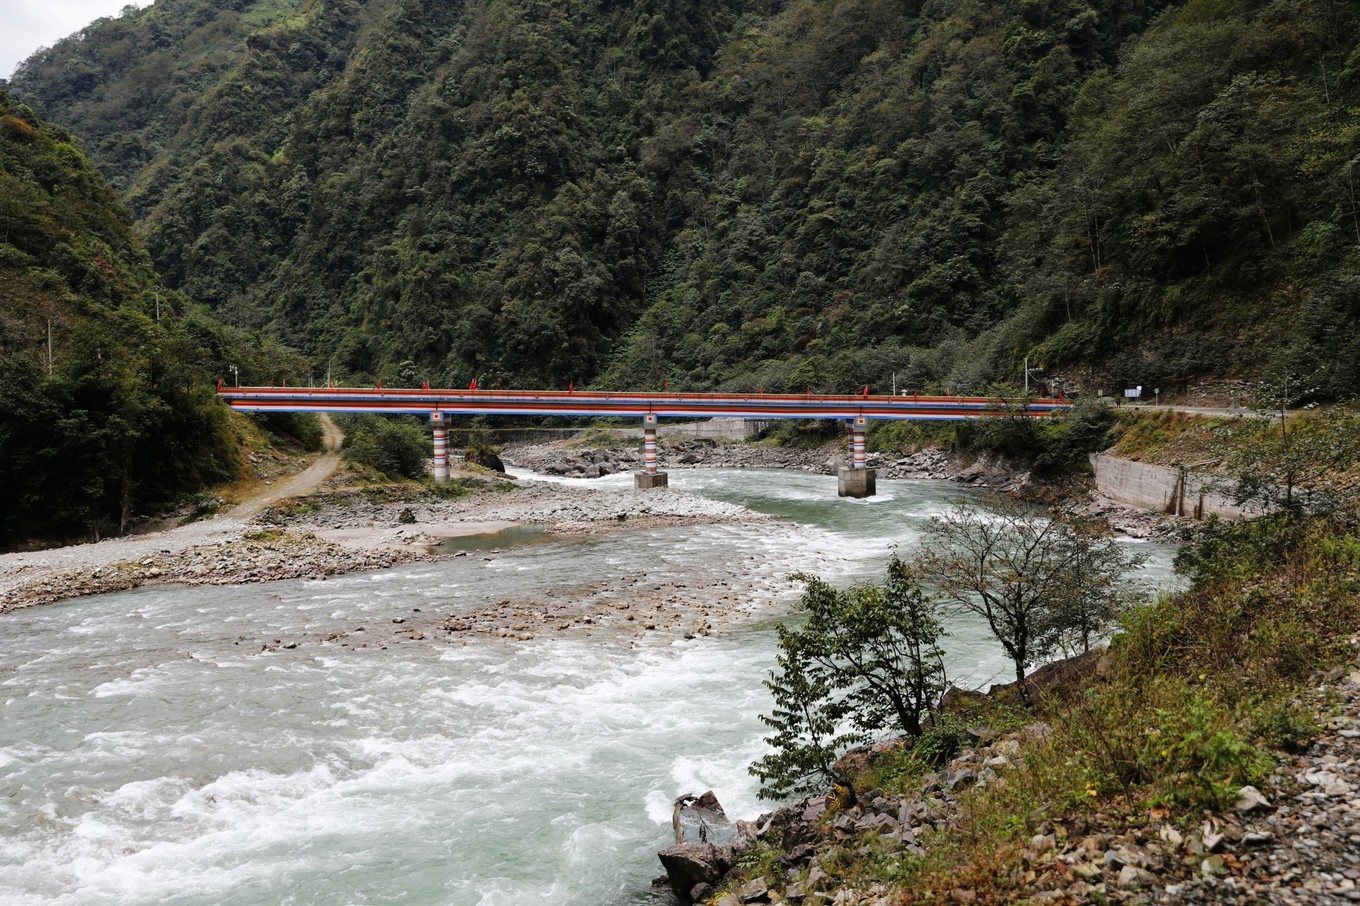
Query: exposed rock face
[
  {"x": 484, "y": 458},
  {"x": 690, "y": 864}
]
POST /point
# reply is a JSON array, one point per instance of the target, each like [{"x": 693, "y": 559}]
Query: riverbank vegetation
[
  {"x": 397, "y": 448},
  {"x": 1198, "y": 695},
  {"x": 866, "y": 660},
  {"x": 107, "y": 409}
]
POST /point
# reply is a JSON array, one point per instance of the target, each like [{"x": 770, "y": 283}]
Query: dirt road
[
  {"x": 300, "y": 484},
  {"x": 56, "y": 566}
]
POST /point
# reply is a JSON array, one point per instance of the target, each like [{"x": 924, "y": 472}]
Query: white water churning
[{"x": 152, "y": 753}]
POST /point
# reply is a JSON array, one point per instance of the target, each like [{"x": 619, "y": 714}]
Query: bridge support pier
[
  {"x": 649, "y": 477},
  {"x": 441, "y": 448},
  {"x": 857, "y": 481}
]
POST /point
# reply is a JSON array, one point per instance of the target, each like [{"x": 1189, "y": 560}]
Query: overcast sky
[{"x": 30, "y": 24}]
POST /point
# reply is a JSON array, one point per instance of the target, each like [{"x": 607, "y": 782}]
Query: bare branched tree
[{"x": 1036, "y": 578}]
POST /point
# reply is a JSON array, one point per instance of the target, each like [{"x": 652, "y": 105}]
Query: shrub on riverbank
[
  {"x": 1189, "y": 704},
  {"x": 1050, "y": 446},
  {"x": 393, "y": 447}
]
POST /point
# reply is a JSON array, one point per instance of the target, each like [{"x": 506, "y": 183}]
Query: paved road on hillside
[{"x": 1205, "y": 411}]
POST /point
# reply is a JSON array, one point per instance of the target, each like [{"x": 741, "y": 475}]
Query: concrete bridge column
[
  {"x": 857, "y": 481},
  {"x": 441, "y": 448},
  {"x": 649, "y": 477}
]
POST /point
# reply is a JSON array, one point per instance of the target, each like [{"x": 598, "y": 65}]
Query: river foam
[{"x": 161, "y": 746}]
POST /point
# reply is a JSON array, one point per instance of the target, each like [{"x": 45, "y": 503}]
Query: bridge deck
[{"x": 662, "y": 405}]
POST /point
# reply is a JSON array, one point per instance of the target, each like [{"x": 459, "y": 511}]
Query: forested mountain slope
[
  {"x": 742, "y": 193},
  {"x": 106, "y": 399}
]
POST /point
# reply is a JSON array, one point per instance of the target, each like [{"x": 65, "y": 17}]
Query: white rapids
[{"x": 152, "y": 753}]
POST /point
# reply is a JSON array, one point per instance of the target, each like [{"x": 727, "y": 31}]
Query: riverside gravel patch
[{"x": 283, "y": 542}]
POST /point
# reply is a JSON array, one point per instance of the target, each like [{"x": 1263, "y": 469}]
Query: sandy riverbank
[{"x": 335, "y": 532}]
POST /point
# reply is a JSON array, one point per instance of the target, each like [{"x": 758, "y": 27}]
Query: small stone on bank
[{"x": 1249, "y": 799}]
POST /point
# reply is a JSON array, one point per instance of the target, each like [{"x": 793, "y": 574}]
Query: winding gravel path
[
  {"x": 36, "y": 576},
  {"x": 305, "y": 482}
]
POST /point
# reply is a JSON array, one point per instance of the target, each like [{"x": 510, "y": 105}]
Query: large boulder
[
  {"x": 702, "y": 820},
  {"x": 485, "y": 457},
  {"x": 689, "y": 864}
]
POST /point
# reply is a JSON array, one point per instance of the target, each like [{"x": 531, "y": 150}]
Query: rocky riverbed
[
  {"x": 571, "y": 460},
  {"x": 345, "y": 529},
  {"x": 338, "y": 530},
  {"x": 594, "y": 462}
]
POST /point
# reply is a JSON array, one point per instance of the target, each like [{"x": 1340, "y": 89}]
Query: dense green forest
[
  {"x": 106, "y": 377},
  {"x": 742, "y": 193}
]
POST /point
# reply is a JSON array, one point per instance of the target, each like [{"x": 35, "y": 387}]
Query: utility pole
[
  {"x": 1027, "y": 371},
  {"x": 236, "y": 371}
]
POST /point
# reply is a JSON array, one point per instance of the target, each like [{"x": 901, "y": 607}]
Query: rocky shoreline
[
  {"x": 595, "y": 462},
  {"x": 341, "y": 530},
  {"x": 334, "y": 532},
  {"x": 928, "y": 464},
  {"x": 1293, "y": 842}
]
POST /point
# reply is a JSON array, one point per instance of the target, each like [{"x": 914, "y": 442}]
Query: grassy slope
[
  {"x": 1161, "y": 734},
  {"x": 1199, "y": 694}
]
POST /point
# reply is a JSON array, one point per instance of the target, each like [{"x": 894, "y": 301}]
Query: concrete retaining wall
[
  {"x": 716, "y": 428},
  {"x": 713, "y": 429},
  {"x": 1161, "y": 489}
]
